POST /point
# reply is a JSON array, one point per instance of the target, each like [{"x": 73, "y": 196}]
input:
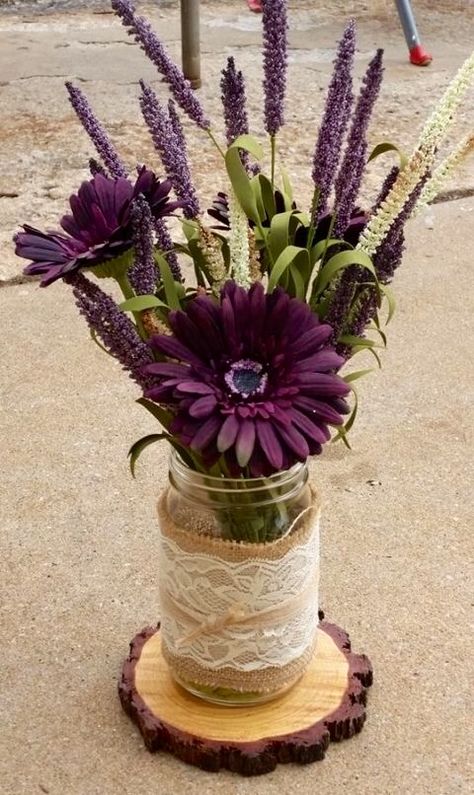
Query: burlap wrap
[{"x": 253, "y": 632}]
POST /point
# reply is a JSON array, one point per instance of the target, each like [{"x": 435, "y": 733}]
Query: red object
[
  {"x": 255, "y": 5},
  {"x": 419, "y": 56}
]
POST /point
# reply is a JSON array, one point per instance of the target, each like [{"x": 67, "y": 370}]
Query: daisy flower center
[{"x": 246, "y": 378}]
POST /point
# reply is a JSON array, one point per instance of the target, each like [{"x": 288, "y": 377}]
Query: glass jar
[{"x": 238, "y": 582}]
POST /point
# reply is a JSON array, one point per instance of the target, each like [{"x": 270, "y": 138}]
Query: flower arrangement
[{"x": 241, "y": 366}]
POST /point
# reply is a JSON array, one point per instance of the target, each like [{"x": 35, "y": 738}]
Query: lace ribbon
[{"x": 258, "y": 612}]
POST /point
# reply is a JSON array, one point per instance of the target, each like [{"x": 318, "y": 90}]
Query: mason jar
[{"x": 238, "y": 582}]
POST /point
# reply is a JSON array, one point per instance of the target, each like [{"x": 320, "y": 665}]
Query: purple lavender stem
[
  {"x": 275, "y": 27},
  {"x": 96, "y": 132},
  {"x": 113, "y": 327},
  {"x": 143, "y": 275},
  {"x": 181, "y": 89},
  {"x": 350, "y": 174},
  {"x": 165, "y": 245},
  {"x": 335, "y": 121},
  {"x": 169, "y": 142}
]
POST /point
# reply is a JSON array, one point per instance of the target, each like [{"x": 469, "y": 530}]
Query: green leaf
[
  {"x": 359, "y": 342},
  {"x": 279, "y": 234},
  {"x": 114, "y": 268},
  {"x": 163, "y": 416},
  {"x": 190, "y": 229},
  {"x": 238, "y": 175},
  {"x": 298, "y": 280},
  {"x": 137, "y": 449},
  {"x": 388, "y": 294},
  {"x": 321, "y": 246},
  {"x": 268, "y": 196},
  {"x": 386, "y": 146},
  {"x": 257, "y": 189},
  {"x": 356, "y": 375},
  {"x": 141, "y": 302},
  {"x": 381, "y": 334},
  {"x": 374, "y": 354},
  {"x": 95, "y": 338},
  {"x": 340, "y": 261},
  {"x": 344, "y": 429},
  {"x": 287, "y": 189},
  {"x": 169, "y": 284},
  {"x": 289, "y": 256}
]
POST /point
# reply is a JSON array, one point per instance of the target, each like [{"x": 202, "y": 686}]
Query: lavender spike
[
  {"x": 96, "y": 132},
  {"x": 143, "y": 275},
  {"x": 387, "y": 186},
  {"x": 181, "y": 89},
  {"x": 350, "y": 174},
  {"x": 168, "y": 142},
  {"x": 234, "y": 101},
  {"x": 176, "y": 126},
  {"x": 113, "y": 327},
  {"x": 388, "y": 256},
  {"x": 334, "y": 123},
  {"x": 386, "y": 260},
  {"x": 275, "y": 27},
  {"x": 165, "y": 245}
]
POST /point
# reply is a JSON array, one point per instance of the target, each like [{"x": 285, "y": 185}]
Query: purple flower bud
[
  {"x": 275, "y": 27},
  {"x": 169, "y": 142},
  {"x": 352, "y": 168},
  {"x": 143, "y": 275},
  {"x": 96, "y": 132},
  {"x": 153, "y": 48},
  {"x": 335, "y": 121},
  {"x": 115, "y": 330}
]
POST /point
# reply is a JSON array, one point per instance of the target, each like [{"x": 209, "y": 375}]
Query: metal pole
[
  {"x": 190, "y": 41},
  {"x": 418, "y": 54}
]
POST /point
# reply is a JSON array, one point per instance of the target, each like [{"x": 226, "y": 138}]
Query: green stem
[
  {"x": 273, "y": 156},
  {"x": 128, "y": 292},
  {"x": 313, "y": 220},
  {"x": 215, "y": 142}
]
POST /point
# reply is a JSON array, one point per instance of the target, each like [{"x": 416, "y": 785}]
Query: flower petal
[
  {"x": 206, "y": 433},
  {"x": 228, "y": 433},
  {"x": 245, "y": 442},
  {"x": 270, "y": 443},
  {"x": 294, "y": 440},
  {"x": 203, "y": 407}
]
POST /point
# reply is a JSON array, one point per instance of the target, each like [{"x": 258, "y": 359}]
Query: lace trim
[{"x": 248, "y": 615}]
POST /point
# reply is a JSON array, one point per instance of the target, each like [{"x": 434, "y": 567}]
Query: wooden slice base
[{"x": 328, "y": 703}]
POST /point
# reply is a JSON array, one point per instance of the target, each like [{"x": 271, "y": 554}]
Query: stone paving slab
[{"x": 78, "y": 573}]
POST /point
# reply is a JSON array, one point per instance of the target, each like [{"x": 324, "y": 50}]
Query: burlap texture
[{"x": 264, "y": 680}]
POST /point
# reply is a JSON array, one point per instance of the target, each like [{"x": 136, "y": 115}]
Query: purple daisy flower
[
  {"x": 100, "y": 227},
  {"x": 252, "y": 379}
]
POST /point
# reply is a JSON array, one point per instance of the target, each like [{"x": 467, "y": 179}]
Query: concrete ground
[{"x": 78, "y": 567}]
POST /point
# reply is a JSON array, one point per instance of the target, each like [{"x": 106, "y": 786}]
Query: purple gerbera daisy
[
  {"x": 100, "y": 227},
  {"x": 253, "y": 379}
]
